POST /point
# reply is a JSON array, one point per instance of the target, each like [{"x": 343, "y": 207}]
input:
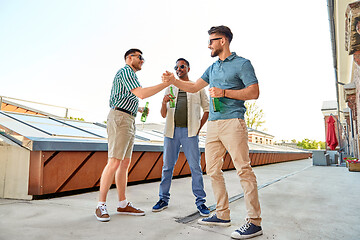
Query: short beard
[
  {"x": 138, "y": 68},
  {"x": 216, "y": 53}
]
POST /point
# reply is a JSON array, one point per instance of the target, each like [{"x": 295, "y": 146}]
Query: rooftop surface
[
  {"x": 45, "y": 133},
  {"x": 298, "y": 200}
]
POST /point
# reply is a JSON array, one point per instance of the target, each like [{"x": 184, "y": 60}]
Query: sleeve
[
  {"x": 206, "y": 75},
  {"x": 167, "y": 91},
  {"x": 130, "y": 80},
  {"x": 204, "y": 100},
  {"x": 247, "y": 74}
]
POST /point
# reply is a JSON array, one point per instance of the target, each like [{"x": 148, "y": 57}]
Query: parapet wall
[{"x": 61, "y": 171}]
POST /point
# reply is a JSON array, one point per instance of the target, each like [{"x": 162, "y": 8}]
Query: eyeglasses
[
  {"x": 181, "y": 66},
  {"x": 211, "y": 40},
  {"x": 139, "y": 56}
]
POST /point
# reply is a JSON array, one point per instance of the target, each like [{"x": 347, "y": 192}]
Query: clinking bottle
[
  {"x": 145, "y": 112},
  {"x": 216, "y": 104},
  {"x": 172, "y": 101}
]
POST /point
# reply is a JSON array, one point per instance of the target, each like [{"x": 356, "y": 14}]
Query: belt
[{"x": 125, "y": 111}]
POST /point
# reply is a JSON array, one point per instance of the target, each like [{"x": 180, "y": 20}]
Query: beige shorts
[{"x": 121, "y": 134}]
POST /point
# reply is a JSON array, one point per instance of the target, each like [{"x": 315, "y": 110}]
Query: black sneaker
[
  {"x": 159, "y": 206},
  {"x": 248, "y": 230},
  {"x": 203, "y": 210},
  {"x": 214, "y": 221}
]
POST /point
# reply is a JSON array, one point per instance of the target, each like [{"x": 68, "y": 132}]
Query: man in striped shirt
[{"x": 124, "y": 102}]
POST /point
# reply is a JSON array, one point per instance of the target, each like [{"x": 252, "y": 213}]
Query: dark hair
[
  {"x": 222, "y": 30},
  {"x": 131, "y": 51},
  {"x": 183, "y": 59}
]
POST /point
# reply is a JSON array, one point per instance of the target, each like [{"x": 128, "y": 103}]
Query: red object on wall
[{"x": 331, "y": 139}]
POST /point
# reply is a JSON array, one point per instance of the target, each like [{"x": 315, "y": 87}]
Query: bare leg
[
  {"x": 121, "y": 178},
  {"x": 107, "y": 177}
]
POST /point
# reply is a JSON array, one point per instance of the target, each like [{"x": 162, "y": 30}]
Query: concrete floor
[{"x": 298, "y": 200}]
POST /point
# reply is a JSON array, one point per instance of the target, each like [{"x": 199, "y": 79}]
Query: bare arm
[
  {"x": 186, "y": 86},
  {"x": 163, "y": 110},
  {"x": 203, "y": 121},
  {"x": 191, "y": 87},
  {"x": 249, "y": 93},
  {"x": 142, "y": 93}
]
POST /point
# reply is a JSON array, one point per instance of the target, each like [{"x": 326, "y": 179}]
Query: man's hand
[
  {"x": 168, "y": 98},
  {"x": 141, "y": 110},
  {"x": 168, "y": 77},
  {"x": 216, "y": 92},
  {"x": 198, "y": 132}
]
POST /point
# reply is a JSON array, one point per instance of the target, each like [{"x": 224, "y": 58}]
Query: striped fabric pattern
[{"x": 121, "y": 96}]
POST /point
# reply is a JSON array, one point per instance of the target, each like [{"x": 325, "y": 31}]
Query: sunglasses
[
  {"x": 181, "y": 66},
  {"x": 139, "y": 56},
  {"x": 211, "y": 40}
]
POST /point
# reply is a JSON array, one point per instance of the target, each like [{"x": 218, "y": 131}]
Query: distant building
[
  {"x": 256, "y": 136},
  {"x": 344, "y": 22}
]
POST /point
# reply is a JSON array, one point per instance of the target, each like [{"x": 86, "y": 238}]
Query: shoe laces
[
  {"x": 202, "y": 206},
  {"x": 131, "y": 205},
  {"x": 103, "y": 210},
  {"x": 244, "y": 227},
  {"x": 212, "y": 217}
]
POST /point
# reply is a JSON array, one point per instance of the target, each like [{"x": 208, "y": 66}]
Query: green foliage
[
  {"x": 74, "y": 118},
  {"x": 311, "y": 144},
  {"x": 254, "y": 116}
]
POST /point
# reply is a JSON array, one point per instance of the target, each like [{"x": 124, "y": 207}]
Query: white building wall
[{"x": 14, "y": 170}]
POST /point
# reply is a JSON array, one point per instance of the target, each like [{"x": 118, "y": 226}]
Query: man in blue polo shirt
[{"x": 233, "y": 81}]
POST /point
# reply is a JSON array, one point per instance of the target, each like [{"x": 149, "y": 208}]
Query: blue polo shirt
[{"x": 233, "y": 73}]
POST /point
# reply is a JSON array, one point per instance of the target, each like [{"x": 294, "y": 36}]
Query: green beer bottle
[
  {"x": 216, "y": 104},
  {"x": 172, "y": 102},
  {"x": 145, "y": 112}
]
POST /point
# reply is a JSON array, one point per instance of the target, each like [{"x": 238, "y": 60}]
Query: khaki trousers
[{"x": 231, "y": 135}]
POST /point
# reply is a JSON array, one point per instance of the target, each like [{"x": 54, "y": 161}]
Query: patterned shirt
[
  {"x": 121, "y": 96},
  {"x": 233, "y": 73}
]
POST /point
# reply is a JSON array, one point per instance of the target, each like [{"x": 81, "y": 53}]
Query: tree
[
  {"x": 75, "y": 118},
  {"x": 311, "y": 144},
  {"x": 254, "y": 115}
]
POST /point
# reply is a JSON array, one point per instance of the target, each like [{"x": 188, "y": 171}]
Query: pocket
[
  {"x": 115, "y": 118},
  {"x": 242, "y": 124},
  {"x": 119, "y": 119}
]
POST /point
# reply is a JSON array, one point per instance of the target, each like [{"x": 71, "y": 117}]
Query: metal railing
[{"x": 44, "y": 104}]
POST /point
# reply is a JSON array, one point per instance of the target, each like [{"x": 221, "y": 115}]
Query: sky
[{"x": 67, "y": 52}]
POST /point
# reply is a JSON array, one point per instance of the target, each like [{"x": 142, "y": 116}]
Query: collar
[
  {"x": 229, "y": 58},
  {"x": 128, "y": 66}
]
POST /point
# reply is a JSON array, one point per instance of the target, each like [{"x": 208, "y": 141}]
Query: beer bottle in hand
[
  {"x": 216, "y": 104},
  {"x": 145, "y": 112},
  {"x": 172, "y": 101}
]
